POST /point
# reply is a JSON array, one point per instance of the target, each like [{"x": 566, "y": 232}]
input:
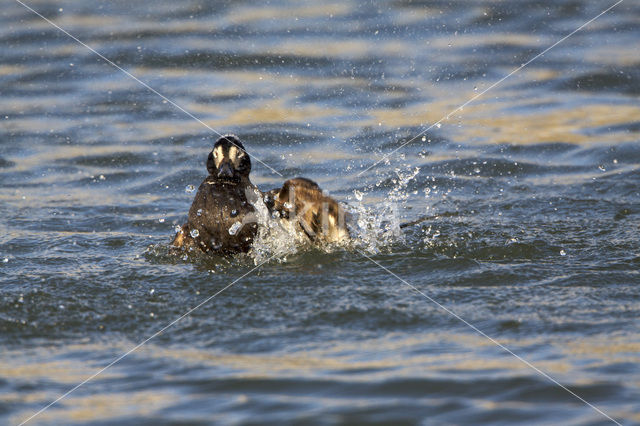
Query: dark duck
[
  {"x": 223, "y": 217},
  {"x": 222, "y": 200}
]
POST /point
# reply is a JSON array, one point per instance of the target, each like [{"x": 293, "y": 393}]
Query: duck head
[{"x": 228, "y": 160}]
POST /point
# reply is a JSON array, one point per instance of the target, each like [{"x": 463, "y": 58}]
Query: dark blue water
[{"x": 531, "y": 195}]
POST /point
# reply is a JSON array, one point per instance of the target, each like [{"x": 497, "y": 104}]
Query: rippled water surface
[{"x": 531, "y": 197}]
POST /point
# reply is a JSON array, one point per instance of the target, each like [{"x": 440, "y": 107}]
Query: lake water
[{"x": 531, "y": 195}]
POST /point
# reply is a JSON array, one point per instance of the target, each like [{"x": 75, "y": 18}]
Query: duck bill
[{"x": 225, "y": 170}]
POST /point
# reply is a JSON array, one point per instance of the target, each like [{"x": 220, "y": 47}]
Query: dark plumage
[
  {"x": 222, "y": 201},
  {"x": 223, "y": 220}
]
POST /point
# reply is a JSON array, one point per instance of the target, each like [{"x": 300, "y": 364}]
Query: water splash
[
  {"x": 233, "y": 230},
  {"x": 376, "y": 226},
  {"x": 373, "y": 226},
  {"x": 275, "y": 238}
]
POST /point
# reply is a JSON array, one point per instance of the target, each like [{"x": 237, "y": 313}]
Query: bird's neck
[{"x": 242, "y": 181}]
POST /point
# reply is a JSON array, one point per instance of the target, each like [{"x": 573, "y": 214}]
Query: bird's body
[
  {"x": 319, "y": 216},
  {"x": 223, "y": 218}
]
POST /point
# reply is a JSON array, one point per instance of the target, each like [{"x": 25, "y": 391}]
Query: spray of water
[
  {"x": 275, "y": 237},
  {"x": 373, "y": 222}
]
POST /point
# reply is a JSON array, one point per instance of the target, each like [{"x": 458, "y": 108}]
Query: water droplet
[
  {"x": 153, "y": 290},
  {"x": 189, "y": 189},
  {"x": 178, "y": 228},
  {"x": 358, "y": 195},
  {"x": 438, "y": 125},
  {"x": 563, "y": 253},
  {"x": 161, "y": 220},
  {"x": 475, "y": 88},
  {"x": 234, "y": 213},
  {"x": 102, "y": 177},
  {"x": 194, "y": 233},
  {"x": 5, "y": 260},
  {"x": 424, "y": 139},
  {"x": 288, "y": 206},
  {"x": 199, "y": 212},
  {"x": 152, "y": 315},
  {"x": 233, "y": 230},
  {"x": 601, "y": 167}
]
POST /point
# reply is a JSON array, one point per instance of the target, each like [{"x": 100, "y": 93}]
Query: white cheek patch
[
  {"x": 235, "y": 155},
  {"x": 218, "y": 155}
]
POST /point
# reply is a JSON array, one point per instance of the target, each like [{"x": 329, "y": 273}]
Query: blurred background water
[{"x": 531, "y": 192}]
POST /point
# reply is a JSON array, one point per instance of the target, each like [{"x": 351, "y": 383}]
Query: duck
[
  {"x": 223, "y": 218},
  {"x": 320, "y": 217}
]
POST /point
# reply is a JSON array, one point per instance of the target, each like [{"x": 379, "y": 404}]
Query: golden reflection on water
[
  {"x": 615, "y": 55},
  {"x": 496, "y": 38},
  {"x": 495, "y": 123},
  {"x": 500, "y": 116},
  {"x": 335, "y": 359},
  {"x": 91, "y": 408},
  {"x": 277, "y": 112},
  {"x": 253, "y": 14},
  {"x": 563, "y": 125}
]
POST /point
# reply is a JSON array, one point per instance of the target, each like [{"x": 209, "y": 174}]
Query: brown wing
[{"x": 319, "y": 215}]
